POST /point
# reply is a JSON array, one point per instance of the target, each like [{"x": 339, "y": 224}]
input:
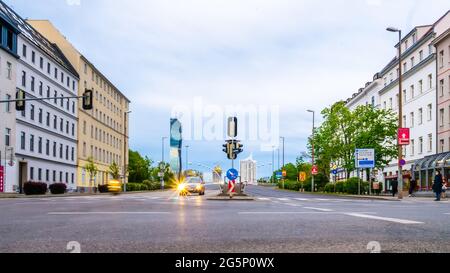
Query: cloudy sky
[{"x": 293, "y": 54}]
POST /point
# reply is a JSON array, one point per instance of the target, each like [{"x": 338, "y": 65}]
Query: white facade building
[
  {"x": 46, "y": 132},
  {"x": 248, "y": 171}
]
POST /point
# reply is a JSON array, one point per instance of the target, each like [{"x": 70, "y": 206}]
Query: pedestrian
[
  {"x": 444, "y": 189},
  {"x": 412, "y": 187},
  {"x": 394, "y": 185},
  {"x": 437, "y": 185}
]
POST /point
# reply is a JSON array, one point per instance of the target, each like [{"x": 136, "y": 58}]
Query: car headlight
[
  {"x": 199, "y": 187},
  {"x": 181, "y": 187}
]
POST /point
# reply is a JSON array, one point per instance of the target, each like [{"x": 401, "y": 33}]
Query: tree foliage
[
  {"x": 343, "y": 131},
  {"x": 139, "y": 168}
]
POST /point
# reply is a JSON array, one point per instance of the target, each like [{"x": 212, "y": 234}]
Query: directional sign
[
  {"x": 403, "y": 136},
  {"x": 279, "y": 175},
  {"x": 365, "y": 158},
  {"x": 314, "y": 170},
  {"x": 232, "y": 186},
  {"x": 232, "y": 174},
  {"x": 284, "y": 173}
]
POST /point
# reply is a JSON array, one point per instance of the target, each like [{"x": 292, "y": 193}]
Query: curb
[
  {"x": 23, "y": 196},
  {"x": 227, "y": 198}
]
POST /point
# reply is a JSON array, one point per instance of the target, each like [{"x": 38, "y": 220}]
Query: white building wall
[
  {"x": 248, "y": 171},
  {"x": 36, "y": 160}
]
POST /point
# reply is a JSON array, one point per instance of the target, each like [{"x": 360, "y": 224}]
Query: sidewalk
[{"x": 49, "y": 195}]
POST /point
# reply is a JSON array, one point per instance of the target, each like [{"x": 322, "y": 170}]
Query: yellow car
[{"x": 114, "y": 186}]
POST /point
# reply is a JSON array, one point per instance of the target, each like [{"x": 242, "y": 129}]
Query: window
[
  {"x": 420, "y": 145},
  {"x": 55, "y": 122},
  {"x": 40, "y": 174},
  {"x": 430, "y": 81},
  {"x": 85, "y": 68},
  {"x": 56, "y": 73},
  {"x": 7, "y": 137},
  {"x": 430, "y": 49},
  {"x": 420, "y": 86},
  {"x": 441, "y": 145},
  {"x": 24, "y": 79},
  {"x": 61, "y": 148},
  {"x": 67, "y": 178},
  {"x": 406, "y": 45},
  {"x": 24, "y": 51},
  {"x": 404, "y": 96},
  {"x": 31, "y": 173},
  {"x": 40, "y": 115},
  {"x": 412, "y": 62},
  {"x": 441, "y": 59},
  {"x": 412, "y": 146},
  {"x": 67, "y": 127},
  {"x": 441, "y": 117},
  {"x": 41, "y": 63},
  {"x": 41, "y": 86},
  {"x": 48, "y": 119},
  {"x": 40, "y": 145},
  {"x": 61, "y": 125},
  {"x": 8, "y": 105},
  {"x": 390, "y": 103},
  {"x": 48, "y": 91},
  {"x": 73, "y": 154},
  {"x": 430, "y": 110},
  {"x": 32, "y": 112},
  {"x": 67, "y": 152},
  {"x": 441, "y": 88},
  {"x": 73, "y": 129},
  {"x": 430, "y": 142},
  {"x": 420, "y": 55},
  {"x": 47, "y": 175},
  {"x": 22, "y": 140},
  {"x": 411, "y": 116},
  {"x": 411, "y": 90},
  {"x": 32, "y": 83},
  {"x": 60, "y": 176},
  {"x": 55, "y": 95},
  {"x": 414, "y": 38},
  {"x": 31, "y": 143},
  {"x": 48, "y": 68},
  {"x": 54, "y": 149},
  {"x": 405, "y": 67},
  {"x": 33, "y": 56},
  {"x": 61, "y": 103},
  {"x": 73, "y": 178},
  {"x": 420, "y": 116},
  {"x": 84, "y": 149},
  {"x": 47, "y": 147},
  {"x": 73, "y": 107},
  {"x": 8, "y": 70},
  {"x": 62, "y": 77},
  {"x": 54, "y": 176}
]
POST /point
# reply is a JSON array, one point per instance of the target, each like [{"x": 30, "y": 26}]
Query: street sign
[
  {"x": 2, "y": 181},
  {"x": 365, "y": 158},
  {"x": 284, "y": 173},
  {"x": 334, "y": 169},
  {"x": 315, "y": 170},
  {"x": 403, "y": 136},
  {"x": 402, "y": 162},
  {"x": 232, "y": 174},
  {"x": 334, "y": 172},
  {"x": 279, "y": 175},
  {"x": 232, "y": 186},
  {"x": 302, "y": 177}
]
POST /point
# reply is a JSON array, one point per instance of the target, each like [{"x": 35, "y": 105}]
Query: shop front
[
  {"x": 424, "y": 169},
  {"x": 389, "y": 179}
]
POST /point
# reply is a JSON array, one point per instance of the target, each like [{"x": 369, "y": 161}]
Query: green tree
[
  {"x": 114, "y": 170},
  {"x": 168, "y": 177},
  {"x": 139, "y": 168},
  {"x": 92, "y": 170}
]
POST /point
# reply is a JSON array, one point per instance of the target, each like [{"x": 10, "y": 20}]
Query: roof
[{"x": 36, "y": 38}]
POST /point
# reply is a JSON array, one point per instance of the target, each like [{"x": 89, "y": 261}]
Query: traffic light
[
  {"x": 238, "y": 148},
  {"x": 20, "y": 100},
  {"x": 88, "y": 100},
  {"x": 232, "y": 148}
]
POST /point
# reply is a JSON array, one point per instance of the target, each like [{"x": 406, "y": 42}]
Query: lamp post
[
  {"x": 162, "y": 164},
  {"x": 187, "y": 157},
  {"x": 282, "y": 141},
  {"x": 312, "y": 146},
  {"x": 273, "y": 165},
  {"x": 400, "y": 102},
  {"x": 125, "y": 150}
]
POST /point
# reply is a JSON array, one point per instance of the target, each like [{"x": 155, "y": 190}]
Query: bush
[
  {"x": 136, "y": 187},
  {"x": 58, "y": 188},
  {"x": 340, "y": 187},
  {"x": 103, "y": 188},
  {"x": 351, "y": 185},
  {"x": 330, "y": 187},
  {"x": 34, "y": 188},
  {"x": 152, "y": 185},
  {"x": 307, "y": 185}
]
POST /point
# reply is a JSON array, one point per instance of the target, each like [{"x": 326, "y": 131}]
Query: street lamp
[
  {"x": 312, "y": 144},
  {"x": 400, "y": 125},
  {"x": 162, "y": 165},
  {"x": 125, "y": 150}
]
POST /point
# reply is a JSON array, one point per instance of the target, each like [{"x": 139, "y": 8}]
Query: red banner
[
  {"x": 403, "y": 136},
  {"x": 2, "y": 179}
]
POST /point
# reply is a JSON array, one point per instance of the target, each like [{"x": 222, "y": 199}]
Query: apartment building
[
  {"x": 46, "y": 132},
  {"x": 424, "y": 101},
  {"x": 103, "y": 131},
  {"x": 8, "y": 68}
]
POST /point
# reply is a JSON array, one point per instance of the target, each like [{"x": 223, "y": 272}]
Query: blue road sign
[
  {"x": 232, "y": 174},
  {"x": 279, "y": 175},
  {"x": 334, "y": 171},
  {"x": 365, "y": 158}
]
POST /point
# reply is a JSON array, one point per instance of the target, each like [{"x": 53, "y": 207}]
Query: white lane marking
[
  {"x": 263, "y": 198},
  {"x": 394, "y": 220},
  {"x": 280, "y": 212},
  {"x": 283, "y": 199},
  {"x": 321, "y": 199},
  {"x": 107, "y": 212},
  {"x": 447, "y": 213},
  {"x": 292, "y": 204},
  {"x": 319, "y": 209},
  {"x": 302, "y": 199}
]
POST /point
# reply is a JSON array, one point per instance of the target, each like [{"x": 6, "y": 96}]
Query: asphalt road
[{"x": 277, "y": 221}]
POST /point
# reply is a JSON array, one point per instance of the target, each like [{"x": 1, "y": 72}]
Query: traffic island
[{"x": 226, "y": 197}]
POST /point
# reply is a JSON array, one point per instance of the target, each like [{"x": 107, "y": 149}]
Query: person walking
[
  {"x": 444, "y": 189},
  {"x": 394, "y": 185},
  {"x": 437, "y": 185},
  {"x": 412, "y": 187}
]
